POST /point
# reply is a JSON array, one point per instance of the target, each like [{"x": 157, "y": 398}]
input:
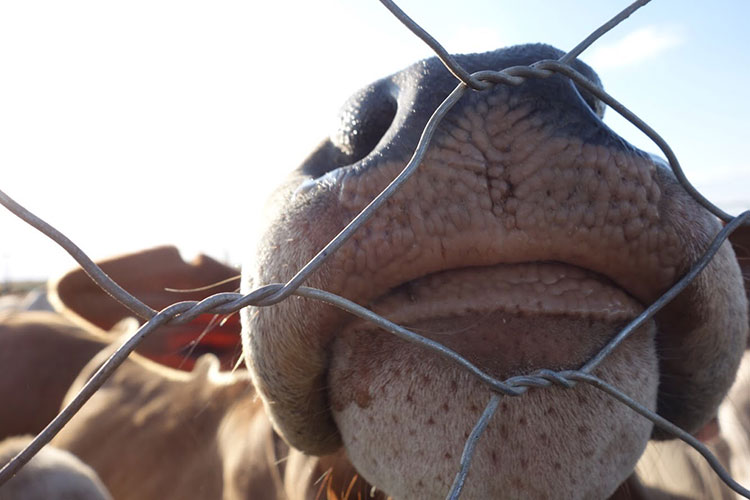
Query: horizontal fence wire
[{"x": 270, "y": 294}]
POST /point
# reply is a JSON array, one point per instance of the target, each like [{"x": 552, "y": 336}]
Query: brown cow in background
[{"x": 205, "y": 429}]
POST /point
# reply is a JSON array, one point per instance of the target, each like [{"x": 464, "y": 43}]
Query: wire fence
[{"x": 270, "y": 294}]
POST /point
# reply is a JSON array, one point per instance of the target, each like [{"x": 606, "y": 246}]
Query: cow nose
[{"x": 385, "y": 119}]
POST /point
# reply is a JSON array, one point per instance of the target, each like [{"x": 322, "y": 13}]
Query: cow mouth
[{"x": 507, "y": 318}]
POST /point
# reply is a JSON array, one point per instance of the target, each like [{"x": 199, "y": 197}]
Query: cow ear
[
  {"x": 150, "y": 275},
  {"x": 158, "y": 277},
  {"x": 740, "y": 240}
]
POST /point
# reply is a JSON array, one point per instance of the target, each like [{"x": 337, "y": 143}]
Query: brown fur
[
  {"x": 205, "y": 432},
  {"x": 41, "y": 353}
]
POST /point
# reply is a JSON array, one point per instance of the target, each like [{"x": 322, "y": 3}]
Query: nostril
[{"x": 363, "y": 121}]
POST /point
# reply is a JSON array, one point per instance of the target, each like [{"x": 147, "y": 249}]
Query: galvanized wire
[{"x": 225, "y": 303}]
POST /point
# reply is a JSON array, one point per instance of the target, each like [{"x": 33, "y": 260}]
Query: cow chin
[{"x": 407, "y": 434}]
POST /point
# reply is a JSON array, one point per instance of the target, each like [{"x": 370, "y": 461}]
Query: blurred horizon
[{"x": 132, "y": 125}]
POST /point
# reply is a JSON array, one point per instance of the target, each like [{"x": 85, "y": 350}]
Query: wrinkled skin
[{"x": 529, "y": 235}]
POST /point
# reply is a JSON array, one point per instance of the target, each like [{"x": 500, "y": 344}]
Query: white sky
[{"x": 130, "y": 124}]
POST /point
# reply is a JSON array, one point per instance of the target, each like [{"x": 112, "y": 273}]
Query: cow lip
[
  {"x": 574, "y": 289},
  {"x": 466, "y": 309}
]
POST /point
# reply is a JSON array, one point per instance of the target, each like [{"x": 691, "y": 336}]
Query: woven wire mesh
[{"x": 270, "y": 294}]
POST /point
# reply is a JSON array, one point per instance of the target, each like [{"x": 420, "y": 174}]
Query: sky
[{"x": 132, "y": 124}]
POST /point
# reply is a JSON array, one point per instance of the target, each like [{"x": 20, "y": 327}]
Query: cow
[{"x": 527, "y": 238}]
